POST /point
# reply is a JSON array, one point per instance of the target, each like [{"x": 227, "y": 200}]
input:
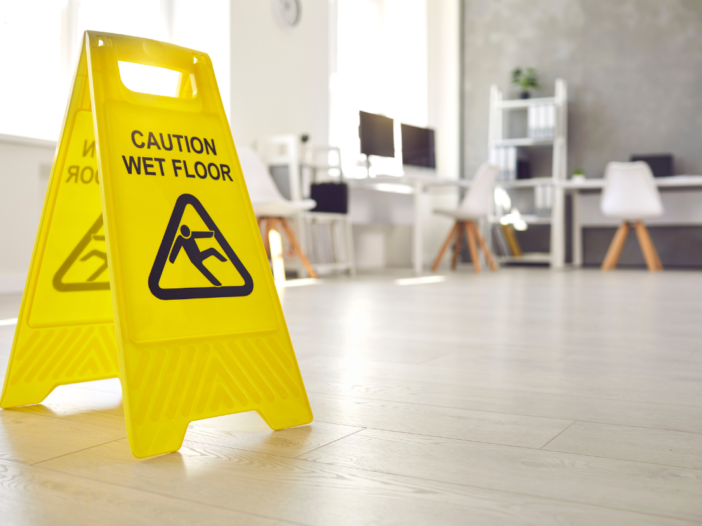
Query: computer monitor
[
  {"x": 377, "y": 135},
  {"x": 661, "y": 164},
  {"x": 418, "y": 146}
]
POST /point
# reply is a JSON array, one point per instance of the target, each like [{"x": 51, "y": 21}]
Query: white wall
[
  {"x": 280, "y": 76},
  {"x": 25, "y": 165},
  {"x": 443, "y": 114},
  {"x": 443, "y": 77},
  {"x": 443, "y": 94}
]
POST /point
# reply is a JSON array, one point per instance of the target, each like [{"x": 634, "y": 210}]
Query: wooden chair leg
[
  {"x": 472, "y": 247},
  {"x": 444, "y": 248},
  {"x": 615, "y": 248},
  {"x": 297, "y": 248},
  {"x": 266, "y": 231},
  {"x": 457, "y": 246},
  {"x": 483, "y": 245},
  {"x": 649, "y": 250}
]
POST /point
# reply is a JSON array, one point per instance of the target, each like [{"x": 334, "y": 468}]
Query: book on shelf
[
  {"x": 541, "y": 122},
  {"x": 505, "y": 157}
]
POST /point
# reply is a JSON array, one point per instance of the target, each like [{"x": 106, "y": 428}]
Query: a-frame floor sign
[{"x": 148, "y": 263}]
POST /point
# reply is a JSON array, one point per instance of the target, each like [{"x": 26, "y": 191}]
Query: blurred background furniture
[
  {"x": 325, "y": 237},
  {"x": 477, "y": 204},
  {"x": 270, "y": 207},
  {"x": 520, "y": 130},
  {"x": 630, "y": 194},
  {"x": 327, "y": 226}
]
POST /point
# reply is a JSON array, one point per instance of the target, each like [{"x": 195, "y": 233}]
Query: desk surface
[
  {"x": 410, "y": 180},
  {"x": 662, "y": 182},
  {"x": 588, "y": 184}
]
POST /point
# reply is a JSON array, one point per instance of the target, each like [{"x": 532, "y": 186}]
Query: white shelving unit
[
  {"x": 328, "y": 252},
  {"x": 500, "y": 112}
]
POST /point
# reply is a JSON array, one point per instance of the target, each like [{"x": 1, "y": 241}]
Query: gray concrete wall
[{"x": 633, "y": 67}]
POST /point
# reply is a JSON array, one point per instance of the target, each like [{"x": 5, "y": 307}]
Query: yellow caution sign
[{"x": 149, "y": 264}]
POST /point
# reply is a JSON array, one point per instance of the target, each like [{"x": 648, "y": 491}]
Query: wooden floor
[{"x": 521, "y": 397}]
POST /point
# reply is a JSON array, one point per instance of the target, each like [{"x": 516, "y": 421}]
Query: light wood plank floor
[{"x": 521, "y": 397}]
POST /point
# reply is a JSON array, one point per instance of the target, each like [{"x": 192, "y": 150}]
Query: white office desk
[
  {"x": 674, "y": 181},
  {"x": 415, "y": 184},
  {"x": 575, "y": 188}
]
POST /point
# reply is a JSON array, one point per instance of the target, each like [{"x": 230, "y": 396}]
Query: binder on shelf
[
  {"x": 541, "y": 122},
  {"x": 505, "y": 157}
]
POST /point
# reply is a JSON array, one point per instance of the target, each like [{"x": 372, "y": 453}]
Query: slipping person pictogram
[
  {"x": 96, "y": 254},
  {"x": 187, "y": 241},
  {"x": 179, "y": 237},
  {"x": 93, "y": 242}
]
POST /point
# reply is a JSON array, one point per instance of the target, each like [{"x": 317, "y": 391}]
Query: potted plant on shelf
[
  {"x": 526, "y": 80},
  {"x": 578, "y": 175}
]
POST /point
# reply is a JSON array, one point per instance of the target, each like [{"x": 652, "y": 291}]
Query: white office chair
[
  {"x": 477, "y": 203},
  {"x": 269, "y": 205},
  {"x": 631, "y": 194}
]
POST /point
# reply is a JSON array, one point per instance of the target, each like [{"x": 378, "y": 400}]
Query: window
[
  {"x": 40, "y": 44},
  {"x": 380, "y": 67}
]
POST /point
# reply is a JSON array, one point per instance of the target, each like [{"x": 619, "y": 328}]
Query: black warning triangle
[
  {"x": 174, "y": 241},
  {"x": 90, "y": 282}
]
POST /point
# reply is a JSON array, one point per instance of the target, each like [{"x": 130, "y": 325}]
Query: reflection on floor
[{"x": 521, "y": 397}]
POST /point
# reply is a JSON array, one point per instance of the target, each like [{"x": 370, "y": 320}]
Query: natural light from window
[
  {"x": 380, "y": 67},
  {"x": 40, "y": 44}
]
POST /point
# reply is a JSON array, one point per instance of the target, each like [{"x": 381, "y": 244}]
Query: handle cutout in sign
[{"x": 150, "y": 79}]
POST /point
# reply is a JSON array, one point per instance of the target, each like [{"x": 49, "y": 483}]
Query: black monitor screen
[
  {"x": 418, "y": 146},
  {"x": 661, "y": 165},
  {"x": 377, "y": 136}
]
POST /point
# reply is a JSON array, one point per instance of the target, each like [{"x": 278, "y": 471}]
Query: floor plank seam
[
  {"x": 559, "y": 434},
  {"x": 505, "y": 445},
  {"x": 624, "y": 460},
  {"x": 449, "y": 438},
  {"x": 15, "y": 461},
  {"x": 325, "y": 445},
  {"x": 560, "y": 394},
  {"x": 78, "y": 451},
  {"x": 503, "y": 413},
  {"x": 65, "y": 418},
  {"x": 267, "y": 453},
  {"x": 166, "y": 495},
  {"x": 433, "y": 405},
  {"x": 509, "y": 492}
]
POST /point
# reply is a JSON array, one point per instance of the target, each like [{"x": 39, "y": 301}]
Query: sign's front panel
[
  {"x": 178, "y": 170},
  {"x": 65, "y": 332},
  {"x": 198, "y": 318}
]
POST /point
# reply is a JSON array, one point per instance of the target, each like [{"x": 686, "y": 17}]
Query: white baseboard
[{"x": 12, "y": 283}]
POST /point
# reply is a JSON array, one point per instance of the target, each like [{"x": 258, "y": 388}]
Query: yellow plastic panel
[
  {"x": 65, "y": 332},
  {"x": 199, "y": 327}
]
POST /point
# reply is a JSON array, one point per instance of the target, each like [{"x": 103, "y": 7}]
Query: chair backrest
[
  {"x": 480, "y": 198},
  {"x": 630, "y": 192},
  {"x": 258, "y": 179}
]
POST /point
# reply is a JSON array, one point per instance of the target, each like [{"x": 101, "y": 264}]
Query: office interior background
[{"x": 491, "y": 288}]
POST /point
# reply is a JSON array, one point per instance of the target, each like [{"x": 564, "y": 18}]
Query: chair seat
[
  {"x": 457, "y": 214},
  {"x": 282, "y": 208},
  {"x": 630, "y": 192},
  {"x": 633, "y": 215}
]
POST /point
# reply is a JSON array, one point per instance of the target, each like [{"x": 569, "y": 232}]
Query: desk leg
[
  {"x": 417, "y": 248},
  {"x": 577, "y": 230},
  {"x": 558, "y": 229}
]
